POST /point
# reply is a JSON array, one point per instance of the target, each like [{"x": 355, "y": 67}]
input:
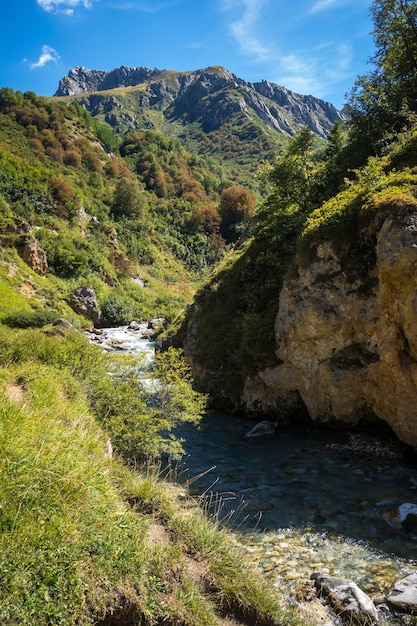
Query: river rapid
[{"x": 303, "y": 499}]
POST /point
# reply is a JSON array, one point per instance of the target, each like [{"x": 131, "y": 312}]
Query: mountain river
[{"x": 303, "y": 499}]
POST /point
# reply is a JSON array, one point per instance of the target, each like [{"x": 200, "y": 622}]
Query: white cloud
[
  {"x": 244, "y": 28},
  {"x": 63, "y": 6},
  {"x": 301, "y": 66},
  {"x": 298, "y": 75},
  {"x": 327, "y": 66},
  {"x": 48, "y": 54},
  {"x": 323, "y": 5}
]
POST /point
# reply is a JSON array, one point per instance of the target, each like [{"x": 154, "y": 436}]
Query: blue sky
[{"x": 313, "y": 47}]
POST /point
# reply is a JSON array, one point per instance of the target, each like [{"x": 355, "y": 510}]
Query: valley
[{"x": 268, "y": 242}]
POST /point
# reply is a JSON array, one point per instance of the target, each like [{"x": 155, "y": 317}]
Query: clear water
[
  {"x": 304, "y": 499},
  {"x": 326, "y": 480}
]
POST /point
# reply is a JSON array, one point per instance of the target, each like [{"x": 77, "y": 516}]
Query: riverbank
[
  {"x": 315, "y": 496},
  {"x": 84, "y": 538}
]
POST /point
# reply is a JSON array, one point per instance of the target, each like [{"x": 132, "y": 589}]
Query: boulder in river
[
  {"x": 403, "y": 517},
  {"x": 403, "y": 596},
  {"x": 134, "y": 325},
  {"x": 262, "y": 428},
  {"x": 346, "y": 598},
  {"x": 155, "y": 323}
]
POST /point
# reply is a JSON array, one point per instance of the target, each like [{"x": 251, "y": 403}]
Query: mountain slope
[
  {"x": 211, "y": 110},
  {"x": 85, "y": 538},
  {"x": 82, "y": 213}
]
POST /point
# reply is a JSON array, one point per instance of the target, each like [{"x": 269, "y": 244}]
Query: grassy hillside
[
  {"x": 211, "y": 111},
  {"x": 84, "y": 539},
  {"x": 237, "y": 146}
]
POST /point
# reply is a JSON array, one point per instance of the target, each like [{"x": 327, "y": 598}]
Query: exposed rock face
[
  {"x": 34, "y": 256},
  {"x": 210, "y": 96},
  {"x": 403, "y": 596},
  {"x": 81, "y": 79},
  {"x": 348, "y": 343},
  {"x": 345, "y": 335},
  {"x": 83, "y": 301}
]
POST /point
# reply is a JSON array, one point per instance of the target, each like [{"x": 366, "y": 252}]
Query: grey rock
[
  {"x": 134, "y": 325},
  {"x": 402, "y": 517},
  {"x": 153, "y": 324},
  {"x": 210, "y": 96},
  {"x": 262, "y": 428},
  {"x": 81, "y": 79},
  {"x": 403, "y": 595},
  {"x": 63, "y": 323},
  {"x": 83, "y": 301},
  {"x": 346, "y": 598}
]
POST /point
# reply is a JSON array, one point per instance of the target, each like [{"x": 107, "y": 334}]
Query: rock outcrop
[
  {"x": 345, "y": 335},
  {"x": 34, "y": 256},
  {"x": 347, "y": 341},
  {"x": 81, "y": 79}
]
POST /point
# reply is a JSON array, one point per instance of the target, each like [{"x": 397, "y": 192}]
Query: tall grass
[
  {"x": 77, "y": 540},
  {"x": 62, "y": 522}
]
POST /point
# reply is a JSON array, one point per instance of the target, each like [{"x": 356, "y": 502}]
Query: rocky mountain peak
[
  {"x": 82, "y": 80},
  {"x": 211, "y": 105}
]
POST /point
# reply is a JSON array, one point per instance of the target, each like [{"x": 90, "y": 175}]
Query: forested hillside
[
  {"x": 211, "y": 110},
  {"x": 90, "y": 534},
  {"x": 107, "y": 211}
]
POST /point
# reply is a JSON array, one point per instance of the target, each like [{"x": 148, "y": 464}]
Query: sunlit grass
[{"x": 85, "y": 536}]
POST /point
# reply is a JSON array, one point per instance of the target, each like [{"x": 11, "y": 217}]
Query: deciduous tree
[
  {"x": 383, "y": 101},
  {"x": 128, "y": 199},
  {"x": 237, "y": 205}
]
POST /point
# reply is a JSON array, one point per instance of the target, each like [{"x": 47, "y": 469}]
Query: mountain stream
[{"x": 301, "y": 500}]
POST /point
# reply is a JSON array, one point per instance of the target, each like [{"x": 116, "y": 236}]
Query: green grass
[
  {"x": 58, "y": 550},
  {"x": 22, "y": 291},
  {"x": 77, "y": 541}
]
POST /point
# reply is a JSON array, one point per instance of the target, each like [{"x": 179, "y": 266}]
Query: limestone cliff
[
  {"x": 345, "y": 333},
  {"x": 348, "y": 345}
]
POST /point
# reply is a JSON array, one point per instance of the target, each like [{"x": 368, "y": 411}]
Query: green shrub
[
  {"x": 30, "y": 319},
  {"x": 118, "y": 310}
]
